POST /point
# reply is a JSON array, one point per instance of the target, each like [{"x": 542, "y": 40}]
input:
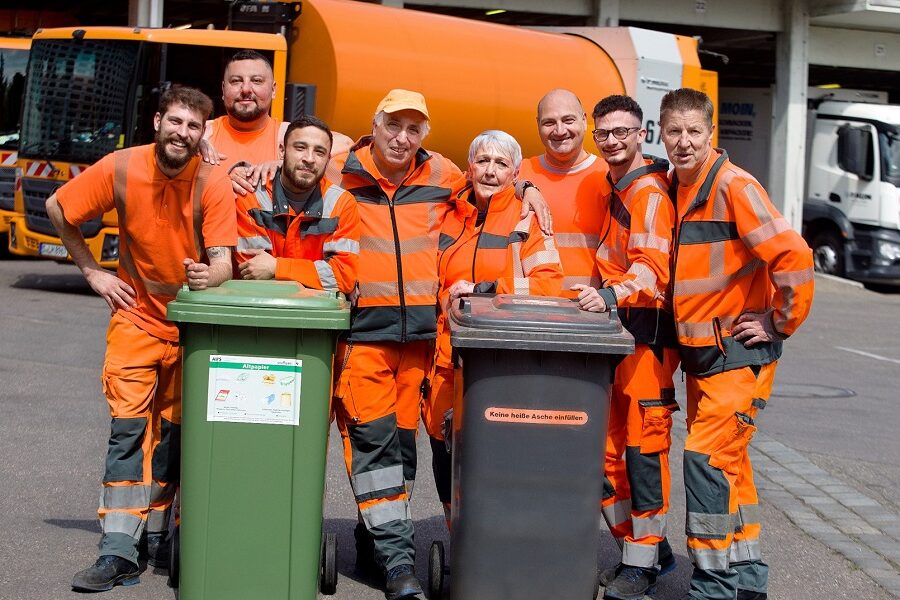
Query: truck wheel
[
  {"x": 174, "y": 557},
  {"x": 828, "y": 253},
  {"x": 436, "y": 571},
  {"x": 328, "y": 583}
]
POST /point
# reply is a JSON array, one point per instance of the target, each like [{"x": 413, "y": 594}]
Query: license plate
[{"x": 53, "y": 250}]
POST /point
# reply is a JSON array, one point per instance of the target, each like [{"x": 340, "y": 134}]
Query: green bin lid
[
  {"x": 536, "y": 323},
  {"x": 278, "y": 304}
]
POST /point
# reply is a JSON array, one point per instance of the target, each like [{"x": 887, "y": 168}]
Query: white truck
[{"x": 851, "y": 215}]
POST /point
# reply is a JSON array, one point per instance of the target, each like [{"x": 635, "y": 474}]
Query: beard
[
  {"x": 301, "y": 181},
  {"x": 170, "y": 161},
  {"x": 246, "y": 115}
]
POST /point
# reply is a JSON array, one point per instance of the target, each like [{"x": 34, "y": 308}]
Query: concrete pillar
[
  {"x": 145, "y": 13},
  {"x": 787, "y": 158},
  {"x": 605, "y": 13}
]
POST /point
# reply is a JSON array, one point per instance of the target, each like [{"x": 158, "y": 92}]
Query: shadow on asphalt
[
  {"x": 69, "y": 283},
  {"x": 84, "y": 524}
]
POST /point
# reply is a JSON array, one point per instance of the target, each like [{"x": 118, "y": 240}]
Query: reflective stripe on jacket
[
  {"x": 505, "y": 254},
  {"x": 734, "y": 254},
  {"x": 633, "y": 257},
  {"x": 400, "y": 227},
  {"x": 318, "y": 247}
]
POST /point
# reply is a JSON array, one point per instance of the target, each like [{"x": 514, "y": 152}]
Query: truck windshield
[
  {"x": 77, "y": 98},
  {"x": 12, "y": 84},
  {"x": 890, "y": 151}
]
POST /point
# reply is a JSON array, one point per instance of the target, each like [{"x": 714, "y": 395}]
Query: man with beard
[
  {"x": 633, "y": 260},
  {"x": 300, "y": 226},
  {"x": 246, "y": 139},
  {"x": 171, "y": 208}
]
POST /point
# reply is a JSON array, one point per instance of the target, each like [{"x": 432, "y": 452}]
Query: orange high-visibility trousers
[
  {"x": 142, "y": 382},
  {"x": 722, "y": 522},
  {"x": 636, "y": 485},
  {"x": 377, "y": 401}
]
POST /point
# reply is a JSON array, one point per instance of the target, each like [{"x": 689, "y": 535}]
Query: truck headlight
[{"x": 888, "y": 250}]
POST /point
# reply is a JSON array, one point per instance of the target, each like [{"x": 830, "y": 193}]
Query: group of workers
[{"x": 702, "y": 268}]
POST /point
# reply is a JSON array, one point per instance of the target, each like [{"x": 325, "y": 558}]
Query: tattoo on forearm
[{"x": 216, "y": 251}]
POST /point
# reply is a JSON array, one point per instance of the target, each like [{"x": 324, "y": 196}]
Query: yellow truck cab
[{"x": 14, "y": 59}]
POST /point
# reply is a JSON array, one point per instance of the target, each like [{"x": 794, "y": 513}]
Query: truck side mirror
[{"x": 855, "y": 151}]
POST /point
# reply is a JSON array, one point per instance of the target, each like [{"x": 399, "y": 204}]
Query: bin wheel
[
  {"x": 436, "y": 571},
  {"x": 174, "y": 557},
  {"x": 328, "y": 582}
]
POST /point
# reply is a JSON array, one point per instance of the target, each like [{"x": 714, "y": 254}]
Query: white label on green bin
[{"x": 253, "y": 389}]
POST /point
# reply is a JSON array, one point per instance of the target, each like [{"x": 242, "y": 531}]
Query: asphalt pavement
[{"x": 826, "y": 453}]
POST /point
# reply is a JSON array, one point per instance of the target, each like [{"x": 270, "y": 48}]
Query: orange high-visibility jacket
[
  {"x": 577, "y": 199},
  {"x": 400, "y": 227},
  {"x": 633, "y": 257},
  {"x": 318, "y": 247},
  {"x": 505, "y": 254},
  {"x": 734, "y": 253}
]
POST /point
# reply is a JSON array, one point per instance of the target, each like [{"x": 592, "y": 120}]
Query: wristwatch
[{"x": 528, "y": 184}]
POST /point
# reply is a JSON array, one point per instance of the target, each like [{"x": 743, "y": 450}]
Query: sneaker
[
  {"x": 751, "y": 595},
  {"x": 158, "y": 550},
  {"x": 365, "y": 552},
  {"x": 666, "y": 564},
  {"x": 632, "y": 583},
  {"x": 106, "y": 573},
  {"x": 401, "y": 582}
]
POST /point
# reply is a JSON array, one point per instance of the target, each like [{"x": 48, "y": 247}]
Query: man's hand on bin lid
[
  {"x": 261, "y": 266},
  {"x": 589, "y": 298},
  {"x": 197, "y": 274}
]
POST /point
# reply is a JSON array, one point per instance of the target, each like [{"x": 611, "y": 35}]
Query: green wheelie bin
[{"x": 256, "y": 399}]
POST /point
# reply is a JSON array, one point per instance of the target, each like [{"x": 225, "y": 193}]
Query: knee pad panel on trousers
[
  {"x": 644, "y": 478},
  {"x": 707, "y": 495},
  {"x": 377, "y": 469},
  {"x": 441, "y": 465},
  {"x": 733, "y": 444},
  {"x": 125, "y": 455},
  {"x": 408, "y": 452},
  {"x": 166, "y": 461}
]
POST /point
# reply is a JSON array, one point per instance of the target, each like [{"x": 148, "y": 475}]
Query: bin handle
[{"x": 614, "y": 314}]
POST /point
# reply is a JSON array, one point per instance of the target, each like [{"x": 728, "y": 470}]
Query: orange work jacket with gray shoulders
[
  {"x": 398, "y": 247},
  {"x": 504, "y": 254},
  {"x": 633, "y": 256},
  {"x": 734, "y": 254},
  {"x": 318, "y": 247}
]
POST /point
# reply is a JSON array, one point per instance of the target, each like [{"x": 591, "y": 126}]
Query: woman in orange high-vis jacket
[{"x": 486, "y": 247}]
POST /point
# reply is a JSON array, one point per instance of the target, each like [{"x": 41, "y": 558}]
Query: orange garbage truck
[{"x": 92, "y": 90}]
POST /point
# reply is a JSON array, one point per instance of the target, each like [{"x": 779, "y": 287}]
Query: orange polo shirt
[
  {"x": 255, "y": 147},
  {"x": 157, "y": 230},
  {"x": 577, "y": 200}
]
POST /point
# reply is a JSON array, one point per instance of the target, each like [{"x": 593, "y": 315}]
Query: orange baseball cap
[{"x": 403, "y": 100}]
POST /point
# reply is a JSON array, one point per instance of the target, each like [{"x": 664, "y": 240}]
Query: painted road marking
[{"x": 869, "y": 354}]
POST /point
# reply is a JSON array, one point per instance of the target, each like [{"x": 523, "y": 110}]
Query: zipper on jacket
[
  {"x": 400, "y": 289},
  {"x": 475, "y": 252}
]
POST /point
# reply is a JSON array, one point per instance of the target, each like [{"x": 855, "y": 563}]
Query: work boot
[
  {"x": 666, "y": 564},
  {"x": 401, "y": 582},
  {"x": 107, "y": 572},
  {"x": 632, "y": 583},
  {"x": 158, "y": 550},
  {"x": 751, "y": 595},
  {"x": 365, "y": 552}
]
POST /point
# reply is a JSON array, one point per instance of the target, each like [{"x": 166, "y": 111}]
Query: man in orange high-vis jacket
[
  {"x": 300, "y": 226},
  {"x": 633, "y": 260},
  {"x": 403, "y": 194},
  {"x": 574, "y": 183},
  {"x": 486, "y": 247},
  {"x": 172, "y": 209},
  {"x": 742, "y": 282},
  {"x": 246, "y": 136}
]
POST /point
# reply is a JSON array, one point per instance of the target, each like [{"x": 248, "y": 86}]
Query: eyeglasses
[{"x": 621, "y": 133}]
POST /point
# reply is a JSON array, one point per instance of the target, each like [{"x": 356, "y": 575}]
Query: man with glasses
[
  {"x": 573, "y": 181},
  {"x": 633, "y": 260}
]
